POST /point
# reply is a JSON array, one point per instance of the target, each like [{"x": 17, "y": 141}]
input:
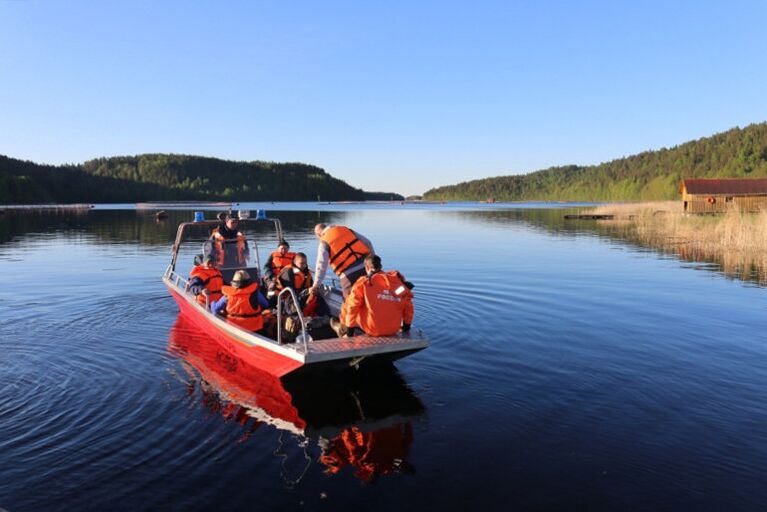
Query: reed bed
[{"x": 736, "y": 240}]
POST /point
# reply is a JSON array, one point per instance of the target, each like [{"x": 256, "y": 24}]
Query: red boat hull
[{"x": 259, "y": 357}]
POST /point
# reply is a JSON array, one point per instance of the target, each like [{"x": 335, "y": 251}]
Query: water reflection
[
  {"x": 129, "y": 226},
  {"x": 360, "y": 420},
  {"x": 141, "y": 227}
]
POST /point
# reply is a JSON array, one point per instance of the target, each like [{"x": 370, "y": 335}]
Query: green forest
[
  {"x": 154, "y": 177},
  {"x": 651, "y": 175}
]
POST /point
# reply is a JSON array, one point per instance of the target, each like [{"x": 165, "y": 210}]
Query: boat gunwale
[{"x": 408, "y": 342}]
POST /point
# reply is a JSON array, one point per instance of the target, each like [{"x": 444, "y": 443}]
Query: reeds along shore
[{"x": 736, "y": 240}]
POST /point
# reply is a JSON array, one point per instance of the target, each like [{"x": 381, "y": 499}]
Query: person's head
[
  {"x": 283, "y": 247},
  {"x": 232, "y": 222},
  {"x": 318, "y": 229},
  {"x": 372, "y": 263},
  {"x": 208, "y": 261},
  {"x": 241, "y": 279},
  {"x": 299, "y": 260}
]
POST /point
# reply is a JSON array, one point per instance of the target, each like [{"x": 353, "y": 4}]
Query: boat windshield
[{"x": 229, "y": 253}]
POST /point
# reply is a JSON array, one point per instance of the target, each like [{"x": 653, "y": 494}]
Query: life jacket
[
  {"x": 223, "y": 245},
  {"x": 280, "y": 261},
  {"x": 378, "y": 304},
  {"x": 344, "y": 247},
  {"x": 239, "y": 310},
  {"x": 302, "y": 279},
  {"x": 211, "y": 280}
]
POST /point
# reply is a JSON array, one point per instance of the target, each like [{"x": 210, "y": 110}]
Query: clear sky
[{"x": 391, "y": 95}]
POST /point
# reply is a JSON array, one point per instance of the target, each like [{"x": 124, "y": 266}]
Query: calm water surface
[{"x": 568, "y": 371}]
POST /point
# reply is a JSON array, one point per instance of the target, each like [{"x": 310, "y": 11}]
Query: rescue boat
[{"x": 311, "y": 350}]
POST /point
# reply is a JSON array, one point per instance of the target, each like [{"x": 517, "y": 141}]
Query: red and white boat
[{"x": 272, "y": 355}]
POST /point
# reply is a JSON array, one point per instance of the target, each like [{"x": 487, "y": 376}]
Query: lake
[{"x": 568, "y": 371}]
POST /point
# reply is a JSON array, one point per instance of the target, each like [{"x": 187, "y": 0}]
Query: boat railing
[{"x": 290, "y": 292}]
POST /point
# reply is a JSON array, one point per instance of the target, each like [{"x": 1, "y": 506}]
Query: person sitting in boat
[
  {"x": 380, "y": 303},
  {"x": 229, "y": 244},
  {"x": 299, "y": 277},
  {"x": 344, "y": 250},
  {"x": 242, "y": 302},
  {"x": 205, "y": 280},
  {"x": 278, "y": 260}
]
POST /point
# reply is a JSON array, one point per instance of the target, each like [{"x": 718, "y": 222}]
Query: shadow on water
[{"x": 360, "y": 420}]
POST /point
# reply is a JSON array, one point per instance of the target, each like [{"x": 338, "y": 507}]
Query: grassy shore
[{"x": 736, "y": 240}]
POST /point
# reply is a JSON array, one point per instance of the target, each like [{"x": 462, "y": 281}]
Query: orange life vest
[
  {"x": 280, "y": 261},
  {"x": 222, "y": 245},
  {"x": 211, "y": 280},
  {"x": 344, "y": 247},
  {"x": 378, "y": 304},
  {"x": 239, "y": 310},
  {"x": 302, "y": 279}
]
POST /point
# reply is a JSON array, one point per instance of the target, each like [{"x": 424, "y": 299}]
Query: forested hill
[
  {"x": 647, "y": 176},
  {"x": 155, "y": 177}
]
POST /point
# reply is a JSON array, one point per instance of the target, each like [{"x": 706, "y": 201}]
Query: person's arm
[
  {"x": 196, "y": 285},
  {"x": 351, "y": 308},
  {"x": 323, "y": 257},
  {"x": 268, "y": 269},
  {"x": 257, "y": 299},
  {"x": 408, "y": 312},
  {"x": 365, "y": 241},
  {"x": 220, "y": 304},
  {"x": 287, "y": 279}
]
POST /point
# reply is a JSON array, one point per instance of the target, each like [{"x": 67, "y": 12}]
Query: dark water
[{"x": 568, "y": 371}]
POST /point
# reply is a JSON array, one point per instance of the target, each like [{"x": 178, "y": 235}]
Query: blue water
[{"x": 568, "y": 371}]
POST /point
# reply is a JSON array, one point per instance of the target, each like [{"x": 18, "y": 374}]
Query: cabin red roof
[{"x": 730, "y": 187}]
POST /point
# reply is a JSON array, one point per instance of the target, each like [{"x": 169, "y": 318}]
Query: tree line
[
  {"x": 158, "y": 177},
  {"x": 651, "y": 175}
]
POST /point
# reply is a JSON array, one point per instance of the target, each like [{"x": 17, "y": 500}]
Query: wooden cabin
[{"x": 717, "y": 195}]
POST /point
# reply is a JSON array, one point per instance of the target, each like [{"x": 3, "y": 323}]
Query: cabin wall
[
  {"x": 751, "y": 203},
  {"x": 699, "y": 203}
]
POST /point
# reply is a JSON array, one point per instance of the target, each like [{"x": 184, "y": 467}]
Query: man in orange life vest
[
  {"x": 380, "y": 303},
  {"x": 344, "y": 250},
  {"x": 278, "y": 260},
  {"x": 229, "y": 244},
  {"x": 206, "y": 281},
  {"x": 296, "y": 275},
  {"x": 243, "y": 303},
  {"x": 299, "y": 277}
]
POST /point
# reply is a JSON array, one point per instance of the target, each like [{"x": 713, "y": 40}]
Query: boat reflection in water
[{"x": 358, "y": 419}]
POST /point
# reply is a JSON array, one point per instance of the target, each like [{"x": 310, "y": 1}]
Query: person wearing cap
[
  {"x": 205, "y": 280},
  {"x": 229, "y": 244},
  {"x": 242, "y": 302},
  {"x": 342, "y": 249},
  {"x": 380, "y": 303}
]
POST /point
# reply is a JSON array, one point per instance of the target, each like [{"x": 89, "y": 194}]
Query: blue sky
[{"x": 390, "y": 95}]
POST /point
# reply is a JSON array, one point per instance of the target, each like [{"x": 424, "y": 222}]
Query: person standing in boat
[
  {"x": 242, "y": 302},
  {"x": 344, "y": 250},
  {"x": 229, "y": 244},
  {"x": 380, "y": 303},
  {"x": 205, "y": 280}
]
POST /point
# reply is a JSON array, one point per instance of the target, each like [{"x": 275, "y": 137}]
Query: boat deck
[{"x": 339, "y": 348}]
